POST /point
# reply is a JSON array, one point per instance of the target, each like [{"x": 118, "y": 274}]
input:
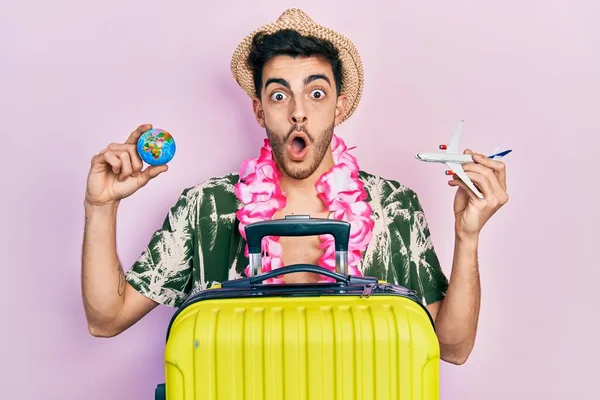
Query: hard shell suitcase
[{"x": 356, "y": 338}]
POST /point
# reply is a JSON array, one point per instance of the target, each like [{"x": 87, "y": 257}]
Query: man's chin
[{"x": 299, "y": 170}]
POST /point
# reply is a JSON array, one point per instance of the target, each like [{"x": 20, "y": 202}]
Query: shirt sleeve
[
  {"x": 427, "y": 277},
  {"x": 163, "y": 272}
]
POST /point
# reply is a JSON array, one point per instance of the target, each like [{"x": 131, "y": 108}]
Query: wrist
[
  {"x": 466, "y": 239},
  {"x": 100, "y": 209}
]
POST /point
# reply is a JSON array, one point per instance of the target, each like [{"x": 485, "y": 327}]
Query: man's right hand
[{"x": 116, "y": 172}]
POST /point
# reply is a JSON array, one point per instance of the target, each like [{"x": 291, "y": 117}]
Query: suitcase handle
[
  {"x": 298, "y": 225},
  {"x": 291, "y": 269}
]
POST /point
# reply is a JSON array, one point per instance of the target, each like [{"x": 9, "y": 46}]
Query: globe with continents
[{"x": 156, "y": 147}]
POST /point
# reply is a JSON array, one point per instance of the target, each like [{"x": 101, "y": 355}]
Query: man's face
[{"x": 299, "y": 109}]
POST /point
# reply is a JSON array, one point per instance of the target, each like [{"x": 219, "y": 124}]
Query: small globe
[{"x": 156, "y": 147}]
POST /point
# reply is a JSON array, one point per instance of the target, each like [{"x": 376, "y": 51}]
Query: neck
[
  {"x": 305, "y": 188},
  {"x": 336, "y": 187}
]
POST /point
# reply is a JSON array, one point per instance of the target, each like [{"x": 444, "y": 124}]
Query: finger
[
  {"x": 488, "y": 173},
  {"x": 135, "y": 135},
  {"x": 482, "y": 183},
  {"x": 126, "y": 169},
  {"x": 497, "y": 166},
  {"x": 485, "y": 187},
  {"x": 112, "y": 160},
  {"x": 462, "y": 186},
  {"x": 136, "y": 162},
  {"x": 152, "y": 172}
]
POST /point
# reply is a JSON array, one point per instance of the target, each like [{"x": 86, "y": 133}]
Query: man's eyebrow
[
  {"x": 314, "y": 77},
  {"x": 281, "y": 81},
  {"x": 307, "y": 80}
]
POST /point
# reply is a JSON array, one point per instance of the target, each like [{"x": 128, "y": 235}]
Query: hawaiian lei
[{"x": 340, "y": 190}]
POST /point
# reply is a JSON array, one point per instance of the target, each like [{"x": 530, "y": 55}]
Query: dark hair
[{"x": 290, "y": 42}]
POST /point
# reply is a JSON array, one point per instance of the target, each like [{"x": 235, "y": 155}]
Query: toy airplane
[{"x": 454, "y": 160}]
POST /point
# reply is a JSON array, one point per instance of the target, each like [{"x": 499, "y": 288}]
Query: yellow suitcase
[{"x": 357, "y": 338}]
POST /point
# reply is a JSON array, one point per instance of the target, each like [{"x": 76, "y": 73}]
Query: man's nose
[{"x": 298, "y": 115}]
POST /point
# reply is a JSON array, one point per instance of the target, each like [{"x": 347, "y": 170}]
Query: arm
[
  {"x": 110, "y": 302},
  {"x": 457, "y": 316},
  {"x": 111, "y": 305}
]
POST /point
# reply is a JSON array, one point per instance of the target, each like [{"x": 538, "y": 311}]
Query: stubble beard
[{"x": 319, "y": 149}]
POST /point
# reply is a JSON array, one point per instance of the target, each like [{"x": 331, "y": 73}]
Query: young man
[{"x": 304, "y": 81}]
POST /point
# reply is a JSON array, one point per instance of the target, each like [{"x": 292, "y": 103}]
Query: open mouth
[{"x": 298, "y": 146}]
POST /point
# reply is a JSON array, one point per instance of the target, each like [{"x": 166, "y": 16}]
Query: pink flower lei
[{"x": 340, "y": 190}]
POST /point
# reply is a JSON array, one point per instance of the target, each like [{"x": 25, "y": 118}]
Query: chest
[{"x": 301, "y": 250}]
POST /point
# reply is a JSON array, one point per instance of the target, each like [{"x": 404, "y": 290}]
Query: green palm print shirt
[{"x": 199, "y": 243}]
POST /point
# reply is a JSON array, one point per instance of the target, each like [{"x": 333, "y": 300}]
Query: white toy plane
[{"x": 454, "y": 159}]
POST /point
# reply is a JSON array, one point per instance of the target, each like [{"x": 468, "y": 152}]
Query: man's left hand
[{"x": 470, "y": 211}]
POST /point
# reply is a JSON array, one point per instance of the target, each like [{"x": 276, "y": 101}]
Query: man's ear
[
  {"x": 259, "y": 113},
  {"x": 340, "y": 108}
]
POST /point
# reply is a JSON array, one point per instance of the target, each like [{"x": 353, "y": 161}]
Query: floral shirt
[{"x": 199, "y": 243}]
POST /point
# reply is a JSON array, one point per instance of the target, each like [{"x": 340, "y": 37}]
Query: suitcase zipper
[
  {"x": 387, "y": 287},
  {"x": 367, "y": 290}
]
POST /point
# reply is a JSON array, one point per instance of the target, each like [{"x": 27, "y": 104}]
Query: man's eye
[
  {"x": 278, "y": 96},
  {"x": 318, "y": 93}
]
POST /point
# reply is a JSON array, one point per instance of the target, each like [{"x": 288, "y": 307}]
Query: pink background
[{"x": 76, "y": 76}]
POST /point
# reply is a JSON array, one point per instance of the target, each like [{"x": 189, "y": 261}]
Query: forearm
[
  {"x": 456, "y": 322},
  {"x": 103, "y": 280}
]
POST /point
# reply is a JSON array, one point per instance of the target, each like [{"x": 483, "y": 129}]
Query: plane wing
[
  {"x": 457, "y": 169},
  {"x": 453, "y": 145}
]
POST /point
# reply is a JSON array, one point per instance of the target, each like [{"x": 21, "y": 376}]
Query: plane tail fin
[{"x": 499, "y": 155}]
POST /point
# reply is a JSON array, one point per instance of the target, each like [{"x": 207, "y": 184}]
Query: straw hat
[{"x": 298, "y": 20}]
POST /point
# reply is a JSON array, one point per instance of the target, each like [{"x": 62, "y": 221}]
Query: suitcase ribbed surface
[{"x": 303, "y": 348}]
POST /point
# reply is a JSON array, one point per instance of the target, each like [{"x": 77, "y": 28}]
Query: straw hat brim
[{"x": 352, "y": 68}]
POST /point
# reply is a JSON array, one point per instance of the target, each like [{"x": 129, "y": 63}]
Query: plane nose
[{"x": 417, "y": 156}]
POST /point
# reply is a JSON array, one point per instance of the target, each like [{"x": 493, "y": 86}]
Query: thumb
[
  {"x": 153, "y": 172},
  {"x": 458, "y": 183}
]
